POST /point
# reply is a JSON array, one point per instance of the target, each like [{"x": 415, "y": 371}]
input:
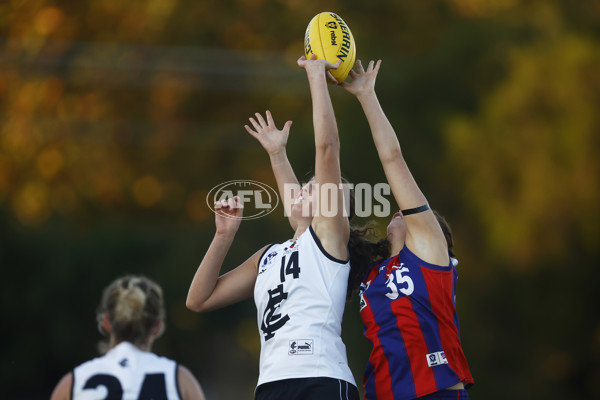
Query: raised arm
[
  {"x": 274, "y": 142},
  {"x": 333, "y": 230},
  {"x": 424, "y": 235},
  {"x": 208, "y": 290}
]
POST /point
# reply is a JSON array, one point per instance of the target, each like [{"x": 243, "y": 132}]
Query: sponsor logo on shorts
[
  {"x": 300, "y": 347},
  {"x": 437, "y": 358}
]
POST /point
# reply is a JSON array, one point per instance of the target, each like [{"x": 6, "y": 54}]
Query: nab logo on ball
[
  {"x": 329, "y": 38},
  {"x": 258, "y": 199}
]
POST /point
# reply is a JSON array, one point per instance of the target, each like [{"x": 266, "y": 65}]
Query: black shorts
[{"x": 307, "y": 389}]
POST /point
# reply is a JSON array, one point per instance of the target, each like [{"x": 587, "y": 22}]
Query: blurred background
[{"x": 118, "y": 117}]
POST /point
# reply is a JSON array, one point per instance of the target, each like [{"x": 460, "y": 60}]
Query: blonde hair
[{"x": 133, "y": 305}]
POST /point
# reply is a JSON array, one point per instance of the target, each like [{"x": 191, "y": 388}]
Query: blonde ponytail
[
  {"x": 130, "y": 305},
  {"x": 134, "y": 306}
]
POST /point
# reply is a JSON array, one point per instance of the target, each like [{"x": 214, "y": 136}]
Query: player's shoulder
[
  {"x": 90, "y": 363},
  {"x": 150, "y": 357},
  {"x": 266, "y": 252}
]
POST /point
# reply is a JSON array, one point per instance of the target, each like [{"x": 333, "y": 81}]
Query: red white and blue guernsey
[{"x": 408, "y": 310}]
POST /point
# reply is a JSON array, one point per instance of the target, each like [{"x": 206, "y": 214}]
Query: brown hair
[
  {"x": 134, "y": 305},
  {"x": 362, "y": 250},
  {"x": 447, "y": 232}
]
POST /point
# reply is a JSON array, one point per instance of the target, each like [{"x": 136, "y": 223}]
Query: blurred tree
[
  {"x": 531, "y": 164},
  {"x": 525, "y": 171}
]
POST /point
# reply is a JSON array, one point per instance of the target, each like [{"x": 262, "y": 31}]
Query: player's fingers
[
  {"x": 330, "y": 65},
  {"x": 370, "y": 67},
  {"x": 377, "y": 65},
  {"x": 359, "y": 67},
  {"x": 261, "y": 120},
  {"x": 231, "y": 203},
  {"x": 352, "y": 74},
  {"x": 255, "y": 124},
  {"x": 331, "y": 78},
  {"x": 250, "y": 131},
  {"x": 286, "y": 126},
  {"x": 237, "y": 203},
  {"x": 270, "y": 121},
  {"x": 221, "y": 206},
  {"x": 238, "y": 209}
]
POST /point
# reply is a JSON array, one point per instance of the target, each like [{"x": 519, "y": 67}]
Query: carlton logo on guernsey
[{"x": 409, "y": 316}]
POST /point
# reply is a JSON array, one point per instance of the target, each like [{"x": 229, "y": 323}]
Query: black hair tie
[{"x": 415, "y": 210}]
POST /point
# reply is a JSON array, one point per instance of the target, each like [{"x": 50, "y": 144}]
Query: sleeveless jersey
[
  {"x": 408, "y": 312},
  {"x": 126, "y": 372},
  {"x": 300, "y": 295}
]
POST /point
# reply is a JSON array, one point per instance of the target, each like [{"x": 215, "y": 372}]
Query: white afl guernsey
[
  {"x": 300, "y": 295},
  {"x": 126, "y": 372}
]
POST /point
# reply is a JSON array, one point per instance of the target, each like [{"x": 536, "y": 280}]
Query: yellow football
[{"x": 328, "y": 37}]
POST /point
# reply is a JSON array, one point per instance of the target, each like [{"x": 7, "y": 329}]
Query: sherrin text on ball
[{"x": 329, "y": 38}]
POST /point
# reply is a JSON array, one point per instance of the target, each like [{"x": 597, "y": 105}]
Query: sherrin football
[{"x": 328, "y": 37}]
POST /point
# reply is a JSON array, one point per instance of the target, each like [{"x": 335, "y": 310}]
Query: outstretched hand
[
  {"x": 363, "y": 82},
  {"x": 228, "y": 215},
  {"x": 314, "y": 65},
  {"x": 272, "y": 139}
]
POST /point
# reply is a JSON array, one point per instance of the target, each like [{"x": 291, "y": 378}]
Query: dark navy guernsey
[{"x": 409, "y": 316}]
